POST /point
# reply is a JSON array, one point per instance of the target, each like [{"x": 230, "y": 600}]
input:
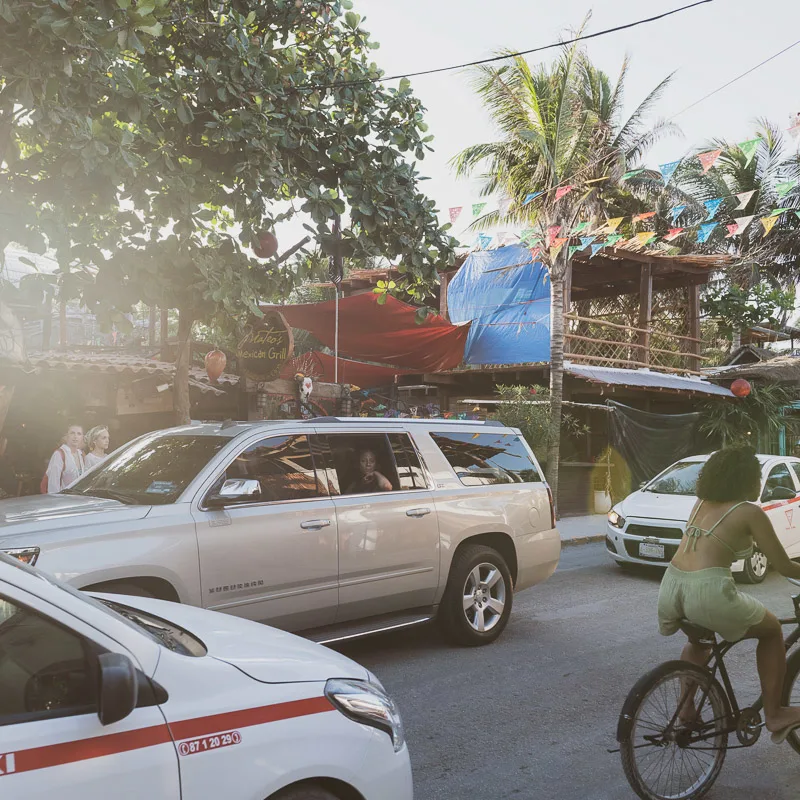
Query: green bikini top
[{"x": 693, "y": 533}]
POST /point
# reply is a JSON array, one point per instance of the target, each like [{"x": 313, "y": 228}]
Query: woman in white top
[
  {"x": 66, "y": 464},
  {"x": 97, "y": 441}
]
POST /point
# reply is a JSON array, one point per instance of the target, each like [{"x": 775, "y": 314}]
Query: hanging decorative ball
[
  {"x": 266, "y": 245},
  {"x": 215, "y": 362},
  {"x": 741, "y": 388}
]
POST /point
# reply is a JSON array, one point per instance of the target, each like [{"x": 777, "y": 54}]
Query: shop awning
[
  {"x": 387, "y": 334},
  {"x": 320, "y": 366}
]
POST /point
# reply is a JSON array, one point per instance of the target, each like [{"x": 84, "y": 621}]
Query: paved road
[{"x": 532, "y": 715}]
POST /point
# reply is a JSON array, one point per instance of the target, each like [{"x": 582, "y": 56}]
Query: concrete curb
[{"x": 600, "y": 537}]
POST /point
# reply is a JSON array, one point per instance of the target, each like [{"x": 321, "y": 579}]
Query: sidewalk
[{"x": 582, "y": 530}]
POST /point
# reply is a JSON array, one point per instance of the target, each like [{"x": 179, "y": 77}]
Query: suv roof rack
[{"x": 406, "y": 420}]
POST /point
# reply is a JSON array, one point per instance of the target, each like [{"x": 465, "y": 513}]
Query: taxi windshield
[
  {"x": 679, "y": 479},
  {"x": 151, "y": 470}
]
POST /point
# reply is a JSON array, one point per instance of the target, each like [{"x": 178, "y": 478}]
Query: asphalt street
[{"x": 532, "y": 716}]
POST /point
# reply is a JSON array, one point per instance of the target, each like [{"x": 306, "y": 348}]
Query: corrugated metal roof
[{"x": 645, "y": 379}]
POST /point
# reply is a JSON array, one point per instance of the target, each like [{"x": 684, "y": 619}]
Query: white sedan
[
  {"x": 646, "y": 526},
  {"x": 123, "y": 697}
]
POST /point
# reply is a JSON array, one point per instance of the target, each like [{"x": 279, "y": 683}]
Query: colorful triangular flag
[
  {"x": 573, "y": 249},
  {"x": 667, "y": 170},
  {"x": 535, "y": 251},
  {"x": 552, "y": 232},
  {"x": 554, "y": 251},
  {"x": 749, "y": 149},
  {"x": 586, "y": 241},
  {"x": 742, "y": 223},
  {"x": 705, "y": 231},
  {"x": 675, "y": 212},
  {"x": 477, "y": 208},
  {"x": 484, "y": 240},
  {"x": 778, "y": 211},
  {"x": 640, "y": 217},
  {"x": 612, "y": 224},
  {"x": 733, "y": 230},
  {"x": 455, "y": 213},
  {"x": 531, "y": 196},
  {"x": 769, "y": 224},
  {"x": 744, "y": 198},
  {"x": 596, "y": 248},
  {"x": 674, "y": 233},
  {"x": 612, "y": 240},
  {"x": 633, "y": 173},
  {"x": 503, "y": 205},
  {"x": 562, "y": 190},
  {"x": 527, "y": 233},
  {"x": 709, "y": 159},
  {"x": 581, "y": 226},
  {"x": 645, "y": 237},
  {"x": 712, "y": 206},
  {"x": 784, "y": 188},
  {"x": 559, "y": 242}
]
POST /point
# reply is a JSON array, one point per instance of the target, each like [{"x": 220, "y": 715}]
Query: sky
[{"x": 705, "y": 47}]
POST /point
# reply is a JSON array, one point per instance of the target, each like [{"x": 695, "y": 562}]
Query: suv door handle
[
  {"x": 417, "y": 512},
  {"x": 315, "y": 524}
]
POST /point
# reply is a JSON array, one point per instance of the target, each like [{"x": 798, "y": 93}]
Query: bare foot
[{"x": 788, "y": 715}]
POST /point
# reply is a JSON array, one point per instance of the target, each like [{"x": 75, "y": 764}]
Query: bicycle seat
[{"x": 696, "y": 633}]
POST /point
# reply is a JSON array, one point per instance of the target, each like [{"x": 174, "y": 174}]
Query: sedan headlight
[
  {"x": 616, "y": 519},
  {"x": 27, "y": 555},
  {"x": 368, "y": 704}
]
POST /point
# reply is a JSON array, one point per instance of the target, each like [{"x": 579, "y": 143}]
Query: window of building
[{"x": 487, "y": 458}]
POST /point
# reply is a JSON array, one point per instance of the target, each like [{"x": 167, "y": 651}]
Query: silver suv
[{"x": 334, "y": 527}]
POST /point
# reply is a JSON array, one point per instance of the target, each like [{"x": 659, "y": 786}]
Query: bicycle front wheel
[{"x": 673, "y": 732}]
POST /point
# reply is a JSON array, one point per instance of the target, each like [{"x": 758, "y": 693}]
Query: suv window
[
  {"x": 44, "y": 669},
  {"x": 345, "y": 453},
  {"x": 282, "y": 465},
  {"x": 487, "y": 458},
  {"x": 779, "y": 475},
  {"x": 409, "y": 470},
  {"x": 153, "y": 470}
]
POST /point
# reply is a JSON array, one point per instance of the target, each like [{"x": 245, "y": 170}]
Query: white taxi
[
  {"x": 133, "y": 698},
  {"x": 646, "y": 526}
]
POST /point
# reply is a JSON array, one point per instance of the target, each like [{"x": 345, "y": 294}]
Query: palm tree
[{"x": 561, "y": 125}]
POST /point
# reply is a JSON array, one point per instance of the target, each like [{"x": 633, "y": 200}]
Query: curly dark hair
[{"x": 730, "y": 474}]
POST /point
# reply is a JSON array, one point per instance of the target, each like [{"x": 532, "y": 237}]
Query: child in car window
[{"x": 371, "y": 480}]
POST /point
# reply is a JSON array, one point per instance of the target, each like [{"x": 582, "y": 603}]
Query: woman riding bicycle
[{"x": 698, "y": 585}]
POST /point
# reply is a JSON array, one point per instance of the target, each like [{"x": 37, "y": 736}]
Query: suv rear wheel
[{"x": 479, "y": 595}]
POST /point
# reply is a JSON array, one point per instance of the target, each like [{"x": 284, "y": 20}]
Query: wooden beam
[
  {"x": 62, "y": 325},
  {"x": 568, "y": 287},
  {"x": 151, "y": 327},
  {"x": 694, "y": 325},
  {"x": 645, "y": 310},
  {"x": 164, "y": 333}
]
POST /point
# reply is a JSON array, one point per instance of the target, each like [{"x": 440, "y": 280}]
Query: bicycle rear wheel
[{"x": 664, "y": 758}]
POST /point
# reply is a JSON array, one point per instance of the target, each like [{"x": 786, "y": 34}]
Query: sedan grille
[
  {"x": 632, "y": 549},
  {"x": 654, "y": 530}
]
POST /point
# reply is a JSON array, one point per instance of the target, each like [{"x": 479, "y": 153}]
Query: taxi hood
[
  {"x": 649, "y": 505},
  {"x": 266, "y": 654},
  {"x": 44, "y": 511}
]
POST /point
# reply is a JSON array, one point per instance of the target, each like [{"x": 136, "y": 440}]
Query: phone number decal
[{"x": 206, "y": 743}]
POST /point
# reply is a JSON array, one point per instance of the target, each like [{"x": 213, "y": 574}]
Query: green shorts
[{"x": 709, "y": 598}]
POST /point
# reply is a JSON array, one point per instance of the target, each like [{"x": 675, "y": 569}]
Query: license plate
[{"x": 651, "y": 550}]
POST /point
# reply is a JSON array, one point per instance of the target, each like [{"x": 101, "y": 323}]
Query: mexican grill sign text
[{"x": 265, "y": 347}]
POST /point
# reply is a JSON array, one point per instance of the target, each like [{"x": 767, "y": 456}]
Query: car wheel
[
  {"x": 755, "y": 568},
  {"x": 130, "y": 589},
  {"x": 306, "y": 791},
  {"x": 478, "y": 599}
]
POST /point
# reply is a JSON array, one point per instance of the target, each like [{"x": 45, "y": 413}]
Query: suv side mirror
[
  {"x": 780, "y": 493},
  {"x": 235, "y": 490},
  {"x": 119, "y": 688}
]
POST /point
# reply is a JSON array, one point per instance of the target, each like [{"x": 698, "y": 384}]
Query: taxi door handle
[
  {"x": 315, "y": 524},
  {"x": 417, "y": 512}
]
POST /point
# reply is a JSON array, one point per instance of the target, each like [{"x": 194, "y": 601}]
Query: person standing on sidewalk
[
  {"x": 97, "y": 441},
  {"x": 66, "y": 464}
]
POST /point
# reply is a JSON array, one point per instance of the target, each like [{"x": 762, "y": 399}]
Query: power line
[{"x": 506, "y": 56}]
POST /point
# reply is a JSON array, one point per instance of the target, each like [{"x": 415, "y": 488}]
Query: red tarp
[
  {"x": 320, "y": 367},
  {"x": 386, "y": 333}
]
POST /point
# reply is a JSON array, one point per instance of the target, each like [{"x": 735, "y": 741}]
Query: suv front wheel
[{"x": 477, "y": 602}]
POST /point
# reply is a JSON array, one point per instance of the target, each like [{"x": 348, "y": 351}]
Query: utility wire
[{"x": 506, "y": 56}]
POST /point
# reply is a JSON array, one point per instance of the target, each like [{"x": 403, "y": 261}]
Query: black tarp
[{"x": 648, "y": 443}]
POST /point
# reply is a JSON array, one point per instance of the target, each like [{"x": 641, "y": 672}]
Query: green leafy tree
[
  {"x": 561, "y": 125},
  {"x": 152, "y": 143},
  {"x": 736, "y": 308}
]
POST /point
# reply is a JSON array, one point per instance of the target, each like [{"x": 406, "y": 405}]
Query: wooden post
[
  {"x": 47, "y": 323},
  {"x": 444, "y": 281},
  {"x": 164, "y": 334},
  {"x": 645, "y": 312},
  {"x": 567, "y": 302},
  {"x": 694, "y": 325},
  {"x": 151, "y": 327},
  {"x": 62, "y": 325}
]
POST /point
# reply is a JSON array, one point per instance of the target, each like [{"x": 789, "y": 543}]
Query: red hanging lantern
[
  {"x": 741, "y": 388},
  {"x": 215, "y": 362},
  {"x": 266, "y": 245}
]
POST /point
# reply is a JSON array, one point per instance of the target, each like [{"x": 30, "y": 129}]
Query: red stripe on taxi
[
  {"x": 780, "y": 504},
  {"x": 54, "y": 755}
]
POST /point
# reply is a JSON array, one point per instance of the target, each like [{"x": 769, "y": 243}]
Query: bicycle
[{"x": 674, "y": 725}]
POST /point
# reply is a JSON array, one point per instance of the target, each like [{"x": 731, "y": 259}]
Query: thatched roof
[{"x": 781, "y": 369}]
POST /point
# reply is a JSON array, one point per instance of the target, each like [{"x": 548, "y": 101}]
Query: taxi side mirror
[{"x": 119, "y": 689}]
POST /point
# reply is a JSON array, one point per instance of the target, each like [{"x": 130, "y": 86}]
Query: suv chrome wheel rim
[
  {"x": 484, "y": 597},
  {"x": 758, "y": 563}
]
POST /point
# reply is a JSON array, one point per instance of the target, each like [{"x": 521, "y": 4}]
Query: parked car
[
  {"x": 138, "y": 698},
  {"x": 278, "y": 522},
  {"x": 646, "y": 527}
]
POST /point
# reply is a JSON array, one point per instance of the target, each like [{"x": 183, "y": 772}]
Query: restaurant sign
[{"x": 266, "y": 346}]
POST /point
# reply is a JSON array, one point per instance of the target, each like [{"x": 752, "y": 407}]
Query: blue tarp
[{"x": 506, "y": 295}]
